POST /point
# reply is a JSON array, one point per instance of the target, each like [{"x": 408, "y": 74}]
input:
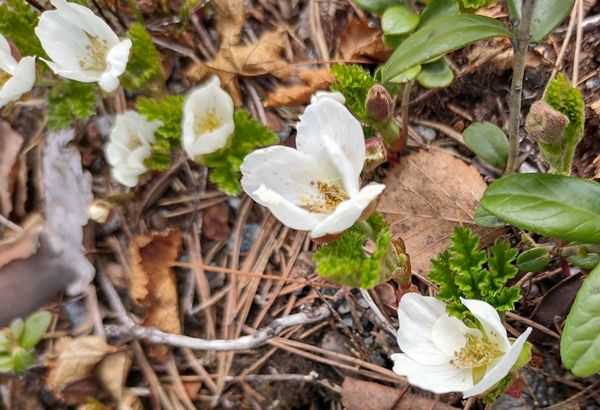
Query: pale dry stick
[
  {"x": 156, "y": 390},
  {"x": 317, "y": 34},
  {"x": 204, "y": 36},
  {"x": 571, "y": 401},
  {"x": 449, "y": 131},
  {"x": 114, "y": 301},
  {"x": 378, "y": 315},
  {"x": 524, "y": 279},
  {"x": 470, "y": 403},
  {"x": 176, "y": 48},
  {"x": 260, "y": 110},
  {"x": 91, "y": 301},
  {"x": 307, "y": 316},
  {"x": 533, "y": 324},
  {"x": 190, "y": 198},
  {"x": 11, "y": 225},
  {"x": 178, "y": 387},
  {"x": 187, "y": 210},
  {"x": 565, "y": 44},
  {"x": 578, "y": 37},
  {"x": 199, "y": 369},
  {"x": 214, "y": 299}
]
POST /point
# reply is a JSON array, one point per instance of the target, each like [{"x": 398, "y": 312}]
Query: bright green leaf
[
  {"x": 225, "y": 163},
  {"x": 407, "y": 75},
  {"x": 547, "y": 15},
  {"x": 552, "y": 205},
  {"x": 21, "y": 359},
  {"x": 35, "y": 327},
  {"x": 377, "y": 6},
  {"x": 486, "y": 219},
  {"x": 69, "y": 100},
  {"x": 398, "y": 21},
  {"x": 441, "y": 36},
  {"x": 16, "y": 328},
  {"x": 589, "y": 261},
  {"x": 393, "y": 42},
  {"x": 18, "y": 21},
  {"x": 354, "y": 83},
  {"x": 580, "y": 342},
  {"x": 438, "y": 9},
  {"x": 435, "y": 75},
  {"x": 144, "y": 66},
  {"x": 5, "y": 344},
  {"x": 169, "y": 111},
  {"x": 489, "y": 142},
  {"x": 6, "y": 362},
  {"x": 533, "y": 260}
]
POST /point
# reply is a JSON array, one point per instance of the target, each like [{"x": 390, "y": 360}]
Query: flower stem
[
  {"x": 137, "y": 12},
  {"x": 520, "y": 50},
  {"x": 367, "y": 229}
]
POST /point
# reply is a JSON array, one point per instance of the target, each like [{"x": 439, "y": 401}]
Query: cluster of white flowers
[
  {"x": 16, "y": 78},
  {"x": 442, "y": 354}
]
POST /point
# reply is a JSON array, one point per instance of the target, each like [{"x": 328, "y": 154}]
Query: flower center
[
  {"x": 4, "y": 77},
  {"x": 330, "y": 196},
  {"x": 207, "y": 123},
  {"x": 133, "y": 142},
  {"x": 95, "y": 59},
  {"x": 476, "y": 352}
]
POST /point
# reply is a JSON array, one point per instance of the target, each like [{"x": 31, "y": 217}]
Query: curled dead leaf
[
  {"x": 313, "y": 81},
  {"x": 11, "y": 143},
  {"x": 360, "y": 40}
]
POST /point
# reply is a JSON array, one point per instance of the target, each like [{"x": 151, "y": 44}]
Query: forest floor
[{"x": 187, "y": 259}]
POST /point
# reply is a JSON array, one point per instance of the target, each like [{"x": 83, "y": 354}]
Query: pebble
[
  {"x": 593, "y": 83},
  {"x": 249, "y": 234},
  {"x": 427, "y": 133},
  {"x": 527, "y": 168},
  {"x": 234, "y": 202}
]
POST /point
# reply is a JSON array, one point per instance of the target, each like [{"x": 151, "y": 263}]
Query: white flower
[
  {"x": 16, "y": 79},
  {"x": 129, "y": 145},
  {"x": 207, "y": 119},
  {"x": 82, "y": 46},
  {"x": 316, "y": 187},
  {"x": 336, "y": 95},
  {"x": 442, "y": 354}
]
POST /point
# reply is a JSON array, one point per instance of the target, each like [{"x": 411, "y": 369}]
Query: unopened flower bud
[
  {"x": 379, "y": 103},
  {"x": 376, "y": 154},
  {"x": 100, "y": 211},
  {"x": 544, "y": 123}
]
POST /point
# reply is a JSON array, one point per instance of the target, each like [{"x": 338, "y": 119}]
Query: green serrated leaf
[
  {"x": 533, "y": 260},
  {"x": 398, "y": 21},
  {"x": 441, "y": 36},
  {"x": 18, "y": 21},
  {"x": 580, "y": 341},
  {"x": 35, "y": 327},
  {"x": 552, "y": 205},
  {"x": 69, "y": 100},
  {"x": 144, "y": 66},
  {"x": 170, "y": 111},
  {"x": 249, "y": 134},
  {"x": 489, "y": 142},
  {"x": 467, "y": 262},
  {"x": 344, "y": 261},
  {"x": 354, "y": 83},
  {"x": 501, "y": 267},
  {"x": 435, "y": 75}
]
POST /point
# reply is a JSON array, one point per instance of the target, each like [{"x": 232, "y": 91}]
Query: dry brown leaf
[
  {"x": 595, "y": 105},
  {"x": 112, "y": 372},
  {"x": 260, "y": 58},
  {"x": 215, "y": 222},
  {"x": 230, "y": 17},
  {"x": 361, "y": 395},
  {"x": 314, "y": 80},
  {"x": 428, "y": 194},
  {"x": 76, "y": 359},
  {"x": 360, "y": 40},
  {"x": 22, "y": 244},
  {"x": 10, "y": 143},
  {"x": 151, "y": 269}
]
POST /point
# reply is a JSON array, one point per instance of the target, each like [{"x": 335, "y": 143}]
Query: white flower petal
[
  {"x": 449, "y": 334},
  {"x": 500, "y": 370},
  {"x": 438, "y": 379},
  {"x": 117, "y": 62},
  {"x": 287, "y": 213},
  {"x": 207, "y": 121},
  {"x": 490, "y": 320},
  {"x": 335, "y": 95},
  {"x": 4, "y": 46},
  {"x": 347, "y": 212},
  {"x": 329, "y": 117},
  {"x": 85, "y": 19},
  {"x": 342, "y": 164},
  {"x": 20, "y": 83},
  {"x": 125, "y": 177},
  {"x": 7, "y": 61}
]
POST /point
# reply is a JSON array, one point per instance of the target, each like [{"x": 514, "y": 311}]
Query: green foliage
[
  {"x": 580, "y": 341},
  {"x": 398, "y": 21},
  {"x": 551, "y": 205},
  {"x": 435, "y": 75},
  {"x": 460, "y": 272},
  {"x": 249, "y": 134},
  {"x": 69, "y": 100},
  {"x": 489, "y": 142},
  {"x": 473, "y": 4},
  {"x": 168, "y": 135},
  {"x": 344, "y": 261},
  {"x": 568, "y": 101},
  {"x": 18, "y": 21},
  {"x": 500, "y": 388},
  {"x": 144, "y": 66},
  {"x": 533, "y": 260},
  {"x": 547, "y": 15},
  {"x": 18, "y": 341},
  {"x": 376, "y": 6},
  {"x": 354, "y": 83}
]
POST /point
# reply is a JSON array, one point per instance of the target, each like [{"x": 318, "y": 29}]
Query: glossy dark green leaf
[
  {"x": 551, "y": 205},
  {"x": 393, "y": 42},
  {"x": 406, "y": 76},
  {"x": 441, "y": 36},
  {"x": 533, "y": 260},
  {"x": 398, "y": 21},
  {"x": 437, "y": 9},
  {"x": 486, "y": 219},
  {"x": 35, "y": 327},
  {"x": 489, "y": 142},
  {"x": 580, "y": 342},
  {"x": 377, "y": 6},
  {"x": 435, "y": 75},
  {"x": 589, "y": 261},
  {"x": 547, "y": 15}
]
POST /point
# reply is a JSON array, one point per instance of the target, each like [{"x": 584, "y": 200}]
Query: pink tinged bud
[
  {"x": 330, "y": 237},
  {"x": 379, "y": 103},
  {"x": 100, "y": 211},
  {"x": 14, "y": 51},
  {"x": 544, "y": 123},
  {"x": 376, "y": 154}
]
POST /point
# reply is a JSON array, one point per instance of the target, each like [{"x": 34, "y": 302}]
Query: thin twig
[
  {"x": 578, "y": 37},
  {"x": 380, "y": 317},
  {"x": 533, "y": 324},
  {"x": 399, "y": 397},
  {"x": 565, "y": 43},
  {"x": 242, "y": 343},
  {"x": 521, "y": 49}
]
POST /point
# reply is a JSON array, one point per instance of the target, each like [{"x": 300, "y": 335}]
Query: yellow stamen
[
  {"x": 330, "y": 197},
  {"x": 206, "y": 124},
  {"x": 4, "y": 77}
]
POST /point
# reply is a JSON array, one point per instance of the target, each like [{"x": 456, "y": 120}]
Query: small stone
[
  {"x": 427, "y": 133},
  {"x": 249, "y": 234},
  {"x": 527, "y": 168},
  {"x": 344, "y": 308},
  {"x": 378, "y": 359},
  {"x": 593, "y": 83}
]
